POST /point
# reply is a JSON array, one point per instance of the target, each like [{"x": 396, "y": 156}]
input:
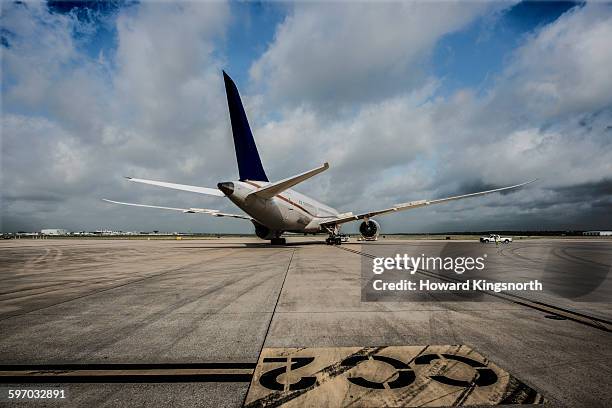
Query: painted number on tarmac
[{"x": 394, "y": 375}]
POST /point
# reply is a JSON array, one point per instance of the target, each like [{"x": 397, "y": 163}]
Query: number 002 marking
[{"x": 405, "y": 373}]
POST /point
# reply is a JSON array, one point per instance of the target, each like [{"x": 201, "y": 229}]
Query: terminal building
[
  {"x": 54, "y": 231},
  {"x": 598, "y": 233}
]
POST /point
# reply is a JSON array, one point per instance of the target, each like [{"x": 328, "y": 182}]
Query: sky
[{"x": 406, "y": 100}]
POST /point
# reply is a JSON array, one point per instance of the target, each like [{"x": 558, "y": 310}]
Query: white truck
[{"x": 495, "y": 238}]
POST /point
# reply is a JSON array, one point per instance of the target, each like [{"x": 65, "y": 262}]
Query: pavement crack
[{"x": 263, "y": 343}]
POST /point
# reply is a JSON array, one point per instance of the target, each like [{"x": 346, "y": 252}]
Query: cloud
[
  {"x": 563, "y": 69},
  {"x": 167, "y": 71},
  {"x": 348, "y": 84},
  {"x": 329, "y": 54},
  {"x": 45, "y": 72}
]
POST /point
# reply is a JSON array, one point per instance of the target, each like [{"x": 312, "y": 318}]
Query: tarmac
[{"x": 207, "y": 322}]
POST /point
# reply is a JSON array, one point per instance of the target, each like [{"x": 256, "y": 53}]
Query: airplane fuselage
[{"x": 289, "y": 211}]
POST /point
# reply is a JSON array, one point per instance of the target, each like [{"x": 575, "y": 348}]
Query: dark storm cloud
[
  {"x": 591, "y": 193},
  {"x": 588, "y": 191},
  {"x": 44, "y": 197},
  {"x": 471, "y": 186}
]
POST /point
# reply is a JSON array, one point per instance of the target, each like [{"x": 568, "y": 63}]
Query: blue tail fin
[{"x": 249, "y": 163}]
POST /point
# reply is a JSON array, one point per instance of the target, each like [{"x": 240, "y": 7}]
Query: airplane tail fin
[{"x": 249, "y": 163}]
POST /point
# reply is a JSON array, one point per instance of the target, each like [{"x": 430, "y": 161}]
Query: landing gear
[
  {"x": 336, "y": 239},
  {"x": 278, "y": 241},
  {"x": 333, "y": 240}
]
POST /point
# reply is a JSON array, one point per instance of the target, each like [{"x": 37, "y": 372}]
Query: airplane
[{"x": 273, "y": 207}]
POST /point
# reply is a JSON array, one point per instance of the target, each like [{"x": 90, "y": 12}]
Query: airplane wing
[
  {"x": 214, "y": 213},
  {"x": 278, "y": 187},
  {"x": 348, "y": 217},
  {"x": 183, "y": 187}
]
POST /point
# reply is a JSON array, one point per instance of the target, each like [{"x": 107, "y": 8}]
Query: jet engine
[
  {"x": 369, "y": 229},
  {"x": 263, "y": 232}
]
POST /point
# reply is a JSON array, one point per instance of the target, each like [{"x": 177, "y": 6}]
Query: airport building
[
  {"x": 54, "y": 231},
  {"x": 598, "y": 233}
]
